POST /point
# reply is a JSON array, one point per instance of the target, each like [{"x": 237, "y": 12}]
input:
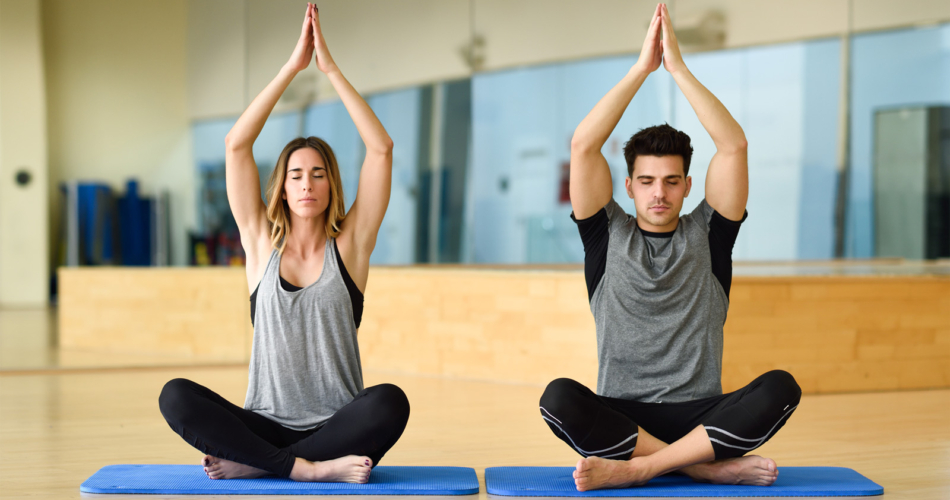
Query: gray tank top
[{"x": 305, "y": 359}]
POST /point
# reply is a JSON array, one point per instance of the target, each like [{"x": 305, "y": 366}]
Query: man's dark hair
[{"x": 658, "y": 140}]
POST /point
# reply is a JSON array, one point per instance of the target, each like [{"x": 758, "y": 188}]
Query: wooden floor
[{"x": 59, "y": 427}]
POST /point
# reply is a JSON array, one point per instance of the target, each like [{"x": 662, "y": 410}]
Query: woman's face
[{"x": 306, "y": 186}]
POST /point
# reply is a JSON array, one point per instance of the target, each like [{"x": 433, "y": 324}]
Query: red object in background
[{"x": 564, "y": 195}]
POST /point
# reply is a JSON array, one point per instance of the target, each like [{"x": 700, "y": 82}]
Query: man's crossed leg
[{"x": 627, "y": 443}]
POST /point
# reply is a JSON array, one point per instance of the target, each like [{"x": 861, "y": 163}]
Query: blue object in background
[
  {"x": 135, "y": 227},
  {"x": 96, "y": 224}
]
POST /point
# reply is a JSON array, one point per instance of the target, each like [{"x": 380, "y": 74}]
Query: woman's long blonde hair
[{"x": 278, "y": 212}]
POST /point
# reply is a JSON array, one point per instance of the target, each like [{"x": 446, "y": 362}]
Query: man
[{"x": 658, "y": 286}]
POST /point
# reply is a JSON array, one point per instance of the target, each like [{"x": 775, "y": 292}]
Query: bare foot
[
  {"x": 752, "y": 470},
  {"x": 594, "y": 473},
  {"x": 349, "y": 469},
  {"x": 219, "y": 468}
]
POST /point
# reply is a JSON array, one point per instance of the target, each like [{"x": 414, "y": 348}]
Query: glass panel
[
  {"x": 399, "y": 113},
  {"x": 902, "y": 68}
]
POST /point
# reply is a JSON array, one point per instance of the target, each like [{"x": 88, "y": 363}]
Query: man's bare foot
[
  {"x": 219, "y": 468},
  {"x": 594, "y": 473},
  {"x": 349, "y": 469},
  {"x": 751, "y": 470}
]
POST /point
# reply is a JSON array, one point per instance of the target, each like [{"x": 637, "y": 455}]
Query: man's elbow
[
  {"x": 740, "y": 146},
  {"x": 581, "y": 145}
]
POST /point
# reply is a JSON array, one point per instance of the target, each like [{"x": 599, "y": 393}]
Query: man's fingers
[
  {"x": 653, "y": 30},
  {"x": 667, "y": 24}
]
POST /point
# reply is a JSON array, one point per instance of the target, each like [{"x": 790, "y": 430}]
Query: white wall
[
  {"x": 118, "y": 101},
  {"x": 24, "y": 246},
  {"x": 378, "y": 44},
  {"x": 236, "y": 47}
]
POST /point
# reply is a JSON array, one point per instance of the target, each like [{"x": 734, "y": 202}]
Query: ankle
[
  {"x": 643, "y": 468},
  {"x": 304, "y": 470}
]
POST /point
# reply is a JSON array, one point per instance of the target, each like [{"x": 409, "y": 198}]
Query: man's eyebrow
[{"x": 674, "y": 176}]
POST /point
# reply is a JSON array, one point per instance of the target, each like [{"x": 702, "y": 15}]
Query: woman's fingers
[
  {"x": 306, "y": 22},
  {"x": 668, "y": 25}
]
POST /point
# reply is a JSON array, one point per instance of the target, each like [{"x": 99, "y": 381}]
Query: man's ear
[
  {"x": 689, "y": 186},
  {"x": 628, "y": 183}
]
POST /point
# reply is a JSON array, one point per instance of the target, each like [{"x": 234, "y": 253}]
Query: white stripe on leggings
[
  {"x": 588, "y": 453},
  {"x": 549, "y": 414},
  {"x": 758, "y": 442}
]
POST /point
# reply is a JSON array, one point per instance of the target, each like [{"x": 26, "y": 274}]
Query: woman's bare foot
[
  {"x": 594, "y": 473},
  {"x": 349, "y": 469},
  {"x": 219, "y": 468},
  {"x": 751, "y": 470}
]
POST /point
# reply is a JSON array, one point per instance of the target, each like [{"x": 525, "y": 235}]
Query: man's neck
[{"x": 650, "y": 228}]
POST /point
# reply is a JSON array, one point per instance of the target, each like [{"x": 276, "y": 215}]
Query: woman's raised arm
[
  {"x": 242, "y": 178},
  {"x": 372, "y": 197}
]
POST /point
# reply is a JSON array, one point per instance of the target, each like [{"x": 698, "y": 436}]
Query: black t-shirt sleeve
[
  {"x": 595, "y": 232},
  {"x": 722, "y": 238}
]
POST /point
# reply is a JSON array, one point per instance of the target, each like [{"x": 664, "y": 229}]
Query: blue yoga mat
[
  {"x": 191, "y": 480},
  {"x": 791, "y": 482}
]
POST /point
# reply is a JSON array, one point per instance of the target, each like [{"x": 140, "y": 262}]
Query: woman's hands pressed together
[
  {"x": 325, "y": 61},
  {"x": 303, "y": 52}
]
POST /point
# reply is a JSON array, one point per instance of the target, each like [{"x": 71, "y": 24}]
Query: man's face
[{"x": 658, "y": 188}]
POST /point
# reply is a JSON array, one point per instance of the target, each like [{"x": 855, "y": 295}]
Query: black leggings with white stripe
[{"x": 737, "y": 423}]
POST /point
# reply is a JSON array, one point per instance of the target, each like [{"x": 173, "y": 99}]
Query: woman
[{"x": 306, "y": 415}]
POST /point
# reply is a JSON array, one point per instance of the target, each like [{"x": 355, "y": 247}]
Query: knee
[
  {"x": 390, "y": 403},
  {"x": 560, "y": 394},
  {"x": 782, "y": 386},
  {"x": 175, "y": 400}
]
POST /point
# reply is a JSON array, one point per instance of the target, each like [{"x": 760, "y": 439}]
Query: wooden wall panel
[
  {"x": 834, "y": 333},
  {"x": 840, "y": 333},
  {"x": 200, "y": 313},
  {"x": 524, "y": 326}
]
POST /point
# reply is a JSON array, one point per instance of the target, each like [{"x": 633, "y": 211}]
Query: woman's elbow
[{"x": 384, "y": 147}]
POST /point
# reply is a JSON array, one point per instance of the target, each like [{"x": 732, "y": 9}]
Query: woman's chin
[{"x": 309, "y": 212}]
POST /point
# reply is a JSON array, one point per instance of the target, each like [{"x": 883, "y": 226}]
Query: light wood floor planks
[{"x": 57, "y": 429}]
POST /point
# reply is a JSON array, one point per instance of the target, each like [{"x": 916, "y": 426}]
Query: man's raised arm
[
  {"x": 591, "y": 185},
  {"x": 727, "y": 180}
]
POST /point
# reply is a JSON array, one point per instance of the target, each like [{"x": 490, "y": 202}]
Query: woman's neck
[{"x": 306, "y": 236}]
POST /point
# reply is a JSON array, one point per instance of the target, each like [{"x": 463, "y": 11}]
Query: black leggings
[
  {"x": 368, "y": 426},
  {"x": 737, "y": 422}
]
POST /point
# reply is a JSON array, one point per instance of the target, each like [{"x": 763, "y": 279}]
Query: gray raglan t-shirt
[{"x": 659, "y": 302}]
